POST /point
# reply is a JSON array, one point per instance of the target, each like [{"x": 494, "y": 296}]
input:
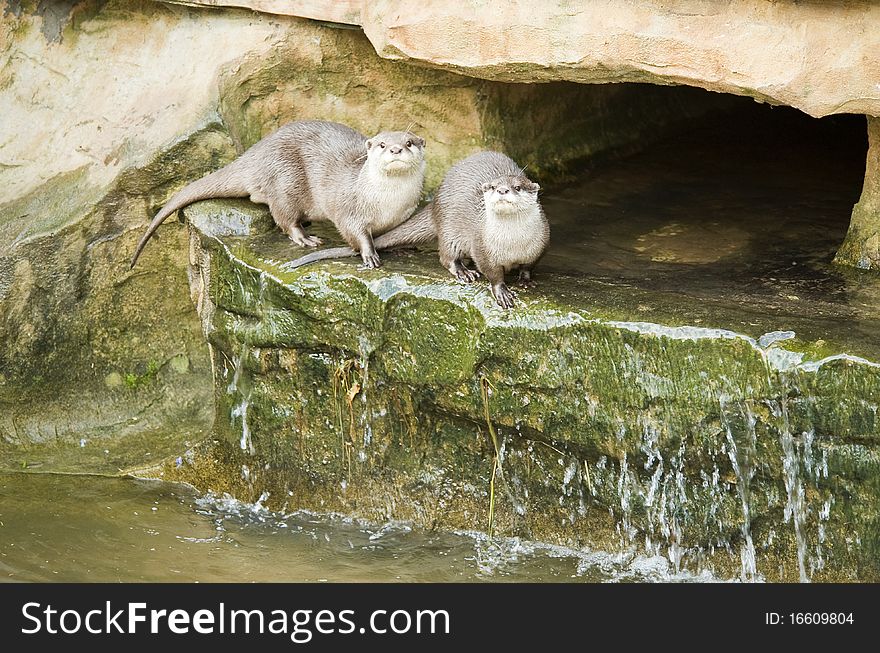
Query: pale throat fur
[
  {"x": 510, "y": 228},
  {"x": 392, "y": 187}
]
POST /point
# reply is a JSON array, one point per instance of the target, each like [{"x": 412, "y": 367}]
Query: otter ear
[
  {"x": 369, "y": 145},
  {"x": 534, "y": 188},
  {"x": 486, "y": 186},
  {"x": 420, "y": 141}
]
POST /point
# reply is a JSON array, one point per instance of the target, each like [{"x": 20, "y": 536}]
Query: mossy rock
[{"x": 370, "y": 392}]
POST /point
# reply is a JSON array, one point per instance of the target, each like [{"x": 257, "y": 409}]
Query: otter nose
[
  {"x": 503, "y": 190},
  {"x": 396, "y": 149}
]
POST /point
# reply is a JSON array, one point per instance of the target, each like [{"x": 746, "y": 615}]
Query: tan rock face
[
  {"x": 71, "y": 108},
  {"x": 820, "y": 57}
]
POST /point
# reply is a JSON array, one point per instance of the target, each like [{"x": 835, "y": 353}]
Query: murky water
[{"x": 92, "y": 528}]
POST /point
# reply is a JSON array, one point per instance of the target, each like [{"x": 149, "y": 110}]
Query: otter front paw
[
  {"x": 525, "y": 278},
  {"x": 304, "y": 240},
  {"x": 372, "y": 261},
  {"x": 467, "y": 275},
  {"x": 462, "y": 273},
  {"x": 502, "y": 295}
]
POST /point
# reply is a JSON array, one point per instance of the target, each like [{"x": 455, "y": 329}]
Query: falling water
[
  {"x": 675, "y": 502},
  {"x": 365, "y": 350},
  {"x": 662, "y": 495},
  {"x": 795, "y": 505},
  {"x": 232, "y": 388},
  {"x": 624, "y": 489},
  {"x": 741, "y": 458},
  {"x": 240, "y": 409},
  {"x": 665, "y": 498}
]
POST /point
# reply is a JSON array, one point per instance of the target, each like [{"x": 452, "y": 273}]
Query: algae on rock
[
  {"x": 341, "y": 389},
  {"x": 91, "y": 353}
]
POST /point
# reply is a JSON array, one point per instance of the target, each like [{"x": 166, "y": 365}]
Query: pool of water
[{"x": 59, "y": 527}]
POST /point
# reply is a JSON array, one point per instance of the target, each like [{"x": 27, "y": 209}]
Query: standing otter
[
  {"x": 323, "y": 171},
  {"x": 486, "y": 211}
]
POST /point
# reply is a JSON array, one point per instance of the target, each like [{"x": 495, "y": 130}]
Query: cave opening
[{"x": 744, "y": 203}]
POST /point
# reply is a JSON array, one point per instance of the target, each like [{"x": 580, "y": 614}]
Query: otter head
[
  {"x": 396, "y": 153},
  {"x": 510, "y": 194}
]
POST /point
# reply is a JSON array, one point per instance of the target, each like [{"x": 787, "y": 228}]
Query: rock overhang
[{"x": 816, "y": 57}]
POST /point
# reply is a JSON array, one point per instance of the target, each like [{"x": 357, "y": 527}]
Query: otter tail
[
  {"x": 418, "y": 230},
  {"x": 222, "y": 183},
  {"x": 332, "y": 252}
]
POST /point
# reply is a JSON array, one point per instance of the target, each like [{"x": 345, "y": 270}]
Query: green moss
[
  {"x": 367, "y": 392},
  {"x": 48, "y": 208},
  {"x": 99, "y": 335},
  {"x": 133, "y": 380},
  {"x": 429, "y": 340}
]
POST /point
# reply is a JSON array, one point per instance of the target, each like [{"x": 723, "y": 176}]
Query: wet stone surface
[{"x": 690, "y": 377}]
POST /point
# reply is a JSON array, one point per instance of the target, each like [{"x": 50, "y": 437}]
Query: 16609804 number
[{"x": 820, "y": 618}]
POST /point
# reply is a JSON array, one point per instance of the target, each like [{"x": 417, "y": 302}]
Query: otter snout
[
  {"x": 398, "y": 161},
  {"x": 505, "y": 204},
  {"x": 395, "y": 149}
]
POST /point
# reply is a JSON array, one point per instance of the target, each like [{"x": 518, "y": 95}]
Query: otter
[
  {"x": 319, "y": 170},
  {"x": 485, "y": 211}
]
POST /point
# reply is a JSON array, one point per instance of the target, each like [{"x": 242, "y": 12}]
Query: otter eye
[
  {"x": 409, "y": 143},
  {"x": 382, "y": 145},
  {"x": 517, "y": 188}
]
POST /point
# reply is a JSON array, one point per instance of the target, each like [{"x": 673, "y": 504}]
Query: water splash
[{"x": 489, "y": 558}]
